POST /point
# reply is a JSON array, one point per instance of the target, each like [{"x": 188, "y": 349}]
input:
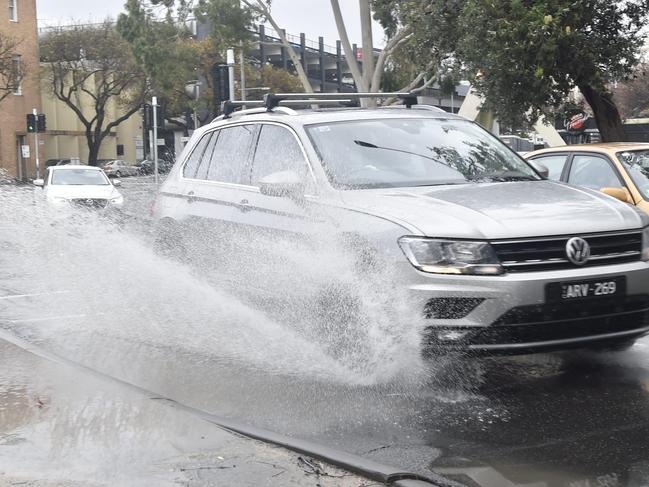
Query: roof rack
[{"x": 272, "y": 100}]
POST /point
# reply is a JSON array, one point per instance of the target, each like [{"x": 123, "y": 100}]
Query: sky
[{"x": 313, "y": 17}]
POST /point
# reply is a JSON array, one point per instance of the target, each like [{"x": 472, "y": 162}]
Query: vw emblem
[{"x": 578, "y": 251}]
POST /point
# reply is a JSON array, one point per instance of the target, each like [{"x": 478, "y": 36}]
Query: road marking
[
  {"x": 47, "y": 318},
  {"x": 18, "y": 296}
]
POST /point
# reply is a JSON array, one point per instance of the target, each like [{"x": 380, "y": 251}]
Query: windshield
[
  {"x": 637, "y": 165},
  {"x": 414, "y": 152},
  {"x": 78, "y": 177}
]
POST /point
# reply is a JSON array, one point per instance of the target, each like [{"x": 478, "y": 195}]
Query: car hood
[
  {"x": 83, "y": 191},
  {"x": 497, "y": 210}
]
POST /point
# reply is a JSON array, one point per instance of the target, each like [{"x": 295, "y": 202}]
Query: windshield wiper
[
  {"x": 502, "y": 176},
  {"x": 369, "y": 145}
]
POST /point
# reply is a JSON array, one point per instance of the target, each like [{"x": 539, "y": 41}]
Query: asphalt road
[{"x": 96, "y": 294}]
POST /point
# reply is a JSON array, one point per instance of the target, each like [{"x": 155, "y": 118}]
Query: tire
[
  {"x": 169, "y": 240},
  {"x": 118, "y": 174}
]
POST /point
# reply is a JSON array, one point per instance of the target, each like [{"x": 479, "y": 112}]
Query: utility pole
[
  {"x": 230, "y": 62},
  {"x": 154, "y": 106},
  {"x": 242, "y": 72},
  {"x": 38, "y": 161}
]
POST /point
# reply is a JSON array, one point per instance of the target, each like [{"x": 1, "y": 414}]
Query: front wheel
[
  {"x": 169, "y": 240},
  {"x": 118, "y": 174}
]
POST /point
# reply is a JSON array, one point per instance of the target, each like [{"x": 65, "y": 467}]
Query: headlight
[
  {"x": 645, "y": 244},
  {"x": 451, "y": 257},
  {"x": 117, "y": 201}
]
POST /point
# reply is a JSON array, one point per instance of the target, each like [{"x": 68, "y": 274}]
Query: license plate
[{"x": 593, "y": 288}]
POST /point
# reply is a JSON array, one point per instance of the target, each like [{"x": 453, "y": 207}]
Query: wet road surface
[{"x": 99, "y": 297}]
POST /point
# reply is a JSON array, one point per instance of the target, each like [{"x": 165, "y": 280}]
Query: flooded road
[{"x": 95, "y": 293}]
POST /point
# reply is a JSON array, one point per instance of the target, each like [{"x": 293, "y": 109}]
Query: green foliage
[{"x": 525, "y": 56}]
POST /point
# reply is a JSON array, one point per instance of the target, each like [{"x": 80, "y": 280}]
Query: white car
[{"x": 83, "y": 186}]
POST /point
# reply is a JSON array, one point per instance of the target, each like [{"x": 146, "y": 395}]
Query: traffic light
[
  {"x": 40, "y": 122},
  {"x": 31, "y": 123},
  {"x": 147, "y": 116}
]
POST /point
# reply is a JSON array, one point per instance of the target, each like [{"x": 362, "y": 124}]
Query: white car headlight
[
  {"x": 451, "y": 257},
  {"x": 645, "y": 244},
  {"x": 118, "y": 200}
]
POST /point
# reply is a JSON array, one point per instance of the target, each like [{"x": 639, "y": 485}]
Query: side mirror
[
  {"x": 540, "y": 168},
  {"x": 282, "y": 184},
  {"x": 117, "y": 182},
  {"x": 39, "y": 182},
  {"x": 621, "y": 194}
]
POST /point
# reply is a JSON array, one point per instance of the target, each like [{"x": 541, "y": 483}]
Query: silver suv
[{"x": 494, "y": 257}]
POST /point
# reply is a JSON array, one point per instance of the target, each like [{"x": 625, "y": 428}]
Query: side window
[
  {"x": 277, "y": 150},
  {"x": 554, "y": 163},
  {"x": 191, "y": 166},
  {"x": 230, "y": 154},
  {"x": 593, "y": 172},
  {"x": 204, "y": 167}
]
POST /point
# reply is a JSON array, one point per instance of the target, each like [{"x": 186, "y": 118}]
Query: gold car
[{"x": 620, "y": 169}]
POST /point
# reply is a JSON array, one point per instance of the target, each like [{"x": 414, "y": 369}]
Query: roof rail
[
  {"x": 272, "y": 101},
  {"x": 431, "y": 108}
]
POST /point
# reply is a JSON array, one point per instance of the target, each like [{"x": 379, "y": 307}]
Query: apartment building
[{"x": 18, "y": 21}]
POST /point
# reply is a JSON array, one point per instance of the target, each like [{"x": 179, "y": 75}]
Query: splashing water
[{"x": 330, "y": 321}]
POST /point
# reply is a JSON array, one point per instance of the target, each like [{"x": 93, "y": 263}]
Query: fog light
[{"x": 451, "y": 335}]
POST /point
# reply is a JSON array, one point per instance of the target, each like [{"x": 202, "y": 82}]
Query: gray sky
[{"x": 313, "y": 17}]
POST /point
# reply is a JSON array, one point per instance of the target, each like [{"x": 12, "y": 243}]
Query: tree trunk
[
  {"x": 606, "y": 114},
  {"x": 93, "y": 148}
]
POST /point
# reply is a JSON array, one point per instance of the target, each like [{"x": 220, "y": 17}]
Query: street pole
[
  {"x": 230, "y": 63},
  {"x": 242, "y": 72},
  {"x": 154, "y": 106},
  {"x": 38, "y": 162},
  {"x": 197, "y": 94}
]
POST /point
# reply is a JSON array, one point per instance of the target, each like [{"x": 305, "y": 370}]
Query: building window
[
  {"x": 17, "y": 75},
  {"x": 13, "y": 10}
]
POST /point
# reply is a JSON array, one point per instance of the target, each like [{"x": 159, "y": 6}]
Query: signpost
[
  {"x": 38, "y": 161},
  {"x": 154, "y": 105}
]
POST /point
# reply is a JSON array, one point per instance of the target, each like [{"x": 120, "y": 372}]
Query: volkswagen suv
[{"x": 493, "y": 257}]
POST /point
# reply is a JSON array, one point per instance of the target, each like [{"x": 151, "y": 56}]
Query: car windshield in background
[
  {"x": 637, "y": 165},
  {"x": 414, "y": 152},
  {"x": 78, "y": 177}
]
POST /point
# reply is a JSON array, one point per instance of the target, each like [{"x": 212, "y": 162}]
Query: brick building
[{"x": 18, "y": 20}]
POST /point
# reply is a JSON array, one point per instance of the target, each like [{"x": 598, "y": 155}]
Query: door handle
[
  {"x": 244, "y": 205},
  {"x": 190, "y": 197}
]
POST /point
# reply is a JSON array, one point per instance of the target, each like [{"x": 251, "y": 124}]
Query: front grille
[
  {"x": 90, "y": 202},
  {"x": 547, "y": 322},
  {"x": 542, "y": 254}
]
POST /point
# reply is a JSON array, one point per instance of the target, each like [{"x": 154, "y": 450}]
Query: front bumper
[{"x": 508, "y": 314}]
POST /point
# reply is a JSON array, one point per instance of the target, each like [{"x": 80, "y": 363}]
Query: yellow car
[{"x": 620, "y": 169}]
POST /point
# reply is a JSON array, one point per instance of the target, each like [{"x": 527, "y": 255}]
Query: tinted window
[
  {"x": 230, "y": 154},
  {"x": 196, "y": 156},
  {"x": 277, "y": 150},
  {"x": 554, "y": 164},
  {"x": 593, "y": 172}
]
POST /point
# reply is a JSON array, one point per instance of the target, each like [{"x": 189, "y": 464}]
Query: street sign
[{"x": 25, "y": 151}]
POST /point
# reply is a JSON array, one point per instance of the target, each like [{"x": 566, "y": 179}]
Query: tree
[
  {"x": 91, "y": 70},
  {"x": 632, "y": 95},
  {"x": 12, "y": 71},
  {"x": 525, "y": 56}
]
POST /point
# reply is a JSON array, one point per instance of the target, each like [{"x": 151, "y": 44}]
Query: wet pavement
[{"x": 99, "y": 297}]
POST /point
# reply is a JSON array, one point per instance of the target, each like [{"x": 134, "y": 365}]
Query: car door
[
  {"x": 212, "y": 191},
  {"x": 594, "y": 171},
  {"x": 556, "y": 164}
]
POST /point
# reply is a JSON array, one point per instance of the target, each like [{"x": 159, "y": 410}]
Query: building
[{"x": 18, "y": 20}]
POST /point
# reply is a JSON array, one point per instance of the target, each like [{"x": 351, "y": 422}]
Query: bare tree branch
[
  {"x": 12, "y": 69},
  {"x": 397, "y": 40}
]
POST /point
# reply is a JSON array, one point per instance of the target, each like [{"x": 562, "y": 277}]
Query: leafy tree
[
  {"x": 525, "y": 56},
  {"x": 632, "y": 95},
  {"x": 91, "y": 70},
  {"x": 11, "y": 72}
]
